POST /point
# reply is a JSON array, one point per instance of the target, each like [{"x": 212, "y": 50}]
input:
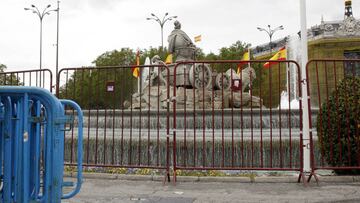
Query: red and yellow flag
[
  {"x": 136, "y": 70},
  {"x": 169, "y": 59},
  {"x": 197, "y": 38},
  {"x": 281, "y": 55},
  {"x": 245, "y": 57}
]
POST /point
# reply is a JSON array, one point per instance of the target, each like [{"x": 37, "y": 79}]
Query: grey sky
[{"x": 90, "y": 27}]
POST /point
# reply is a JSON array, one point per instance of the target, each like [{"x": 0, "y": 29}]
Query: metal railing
[
  {"x": 333, "y": 87},
  {"x": 32, "y": 145}
]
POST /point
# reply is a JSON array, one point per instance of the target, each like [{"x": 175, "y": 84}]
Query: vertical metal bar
[
  {"x": 174, "y": 121},
  {"x": 168, "y": 127},
  {"x": 279, "y": 90},
  {"x": 113, "y": 117},
  {"x": 222, "y": 125},
  {"x": 213, "y": 124},
  {"x": 186, "y": 156},
  {"x": 203, "y": 118},
  {"x": 232, "y": 122},
  {"x": 251, "y": 123},
  {"x": 131, "y": 126},
  {"x": 148, "y": 124},
  {"x": 140, "y": 119},
  {"x": 97, "y": 114},
  {"x": 105, "y": 119},
  {"x": 194, "y": 117},
  {"x": 289, "y": 111},
  {"x": 261, "y": 123},
  {"x": 122, "y": 98},
  {"x": 242, "y": 122},
  {"x": 26, "y": 148},
  {"x": 72, "y": 129},
  {"x": 89, "y": 117},
  {"x": 271, "y": 135},
  {"x": 8, "y": 155},
  {"x": 81, "y": 90},
  {"x": 158, "y": 121}
]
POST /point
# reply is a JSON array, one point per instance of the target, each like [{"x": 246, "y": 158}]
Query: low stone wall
[{"x": 245, "y": 154}]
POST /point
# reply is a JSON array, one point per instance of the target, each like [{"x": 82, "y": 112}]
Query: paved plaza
[{"x": 193, "y": 189}]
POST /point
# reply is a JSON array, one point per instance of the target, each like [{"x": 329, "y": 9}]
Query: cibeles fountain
[
  {"x": 197, "y": 84},
  {"x": 213, "y": 111}
]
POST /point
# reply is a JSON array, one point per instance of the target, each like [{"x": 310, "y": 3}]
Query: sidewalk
[{"x": 144, "y": 189}]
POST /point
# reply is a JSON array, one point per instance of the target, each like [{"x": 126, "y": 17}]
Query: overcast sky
[{"x": 88, "y": 28}]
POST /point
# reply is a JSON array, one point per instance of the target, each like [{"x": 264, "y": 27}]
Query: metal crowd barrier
[{"x": 32, "y": 124}]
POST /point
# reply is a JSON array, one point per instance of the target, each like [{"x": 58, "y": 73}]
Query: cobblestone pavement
[{"x": 218, "y": 190}]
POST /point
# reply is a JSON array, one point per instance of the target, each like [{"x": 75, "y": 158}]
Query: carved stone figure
[
  {"x": 180, "y": 44},
  {"x": 349, "y": 27},
  {"x": 193, "y": 82}
]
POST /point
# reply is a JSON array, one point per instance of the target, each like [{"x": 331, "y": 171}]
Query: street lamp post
[
  {"x": 161, "y": 23},
  {"x": 41, "y": 15},
  {"x": 57, "y": 37},
  {"x": 304, "y": 100},
  {"x": 271, "y": 32}
]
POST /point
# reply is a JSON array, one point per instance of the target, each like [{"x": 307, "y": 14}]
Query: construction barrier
[{"x": 32, "y": 124}]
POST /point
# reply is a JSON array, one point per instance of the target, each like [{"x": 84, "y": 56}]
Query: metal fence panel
[
  {"x": 237, "y": 121},
  {"x": 336, "y": 146}
]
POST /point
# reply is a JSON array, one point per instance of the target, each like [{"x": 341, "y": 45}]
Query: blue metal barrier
[{"x": 32, "y": 124}]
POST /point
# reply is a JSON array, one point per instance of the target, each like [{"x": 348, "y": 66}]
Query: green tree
[
  {"x": 338, "y": 125},
  {"x": 87, "y": 85},
  {"x": 8, "y": 78},
  {"x": 233, "y": 52}
]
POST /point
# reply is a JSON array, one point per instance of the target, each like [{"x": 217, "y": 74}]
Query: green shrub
[{"x": 338, "y": 126}]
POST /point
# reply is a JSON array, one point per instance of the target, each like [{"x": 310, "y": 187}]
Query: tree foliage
[
  {"x": 338, "y": 125},
  {"x": 87, "y": 86},
  {"x": 8, "y": 78}
]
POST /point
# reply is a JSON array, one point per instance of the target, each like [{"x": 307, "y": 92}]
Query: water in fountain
[{"x": 293, "y": 47}]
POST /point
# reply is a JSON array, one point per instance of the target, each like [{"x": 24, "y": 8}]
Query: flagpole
[
  {"x": 249, "y": 57},
  {"x": 304, "y": 99}
]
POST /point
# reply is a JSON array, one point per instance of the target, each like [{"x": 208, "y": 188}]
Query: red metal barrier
[
  {"x": 36, "y": 78},
  {"x": 234, "y": 125},
  {"x": 336, "y": 143},
  {"x": 122, "y": 128}
]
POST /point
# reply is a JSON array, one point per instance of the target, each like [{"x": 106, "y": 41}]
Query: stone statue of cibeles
[
  {"x": 193, "y": 79},
  {"x": 180, "y": 44}
]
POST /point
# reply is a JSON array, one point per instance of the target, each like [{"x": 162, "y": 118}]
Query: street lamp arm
[
  {"x": 262, "y": 29},
  {"x": 162, "y": 22},
  {"x": 34, "y": 10},
  {"x": 155, "y": 19},
  {"x": 278, "y": 28},
  {"x": 168, "y": 19}
]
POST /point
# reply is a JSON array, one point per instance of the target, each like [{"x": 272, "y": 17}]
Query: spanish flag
[
  {"x": 281, "y": 55},
  {"x": 245, "y": 57},
  {"x": 169, "y": 59},
  {"x": 136, "y": 70},
  {"x": 197, "y": 38}
]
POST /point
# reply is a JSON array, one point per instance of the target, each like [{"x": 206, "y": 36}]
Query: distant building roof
[{"x": 347, "y": 28}]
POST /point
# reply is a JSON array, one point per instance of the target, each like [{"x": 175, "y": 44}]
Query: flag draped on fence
[
  {"x": 136, "y": 70},
  {"x": 245, "y": 57},
  {"x": 281, "y": 55}
]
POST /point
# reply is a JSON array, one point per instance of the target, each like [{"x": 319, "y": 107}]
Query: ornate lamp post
[
  {"x": 271, "y": 32},
  {"x": 41, "y": 15},
  {"x": 161, "y": 23}
]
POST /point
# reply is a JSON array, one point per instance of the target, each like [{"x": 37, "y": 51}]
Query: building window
[{"x": 352, "y": 68}]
